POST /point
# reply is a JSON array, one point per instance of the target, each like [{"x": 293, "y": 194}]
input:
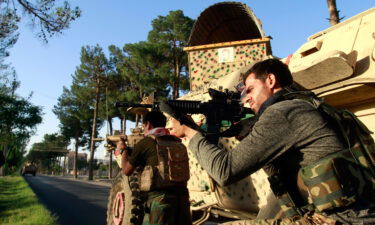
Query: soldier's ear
[{"x": 272, "y": 81}]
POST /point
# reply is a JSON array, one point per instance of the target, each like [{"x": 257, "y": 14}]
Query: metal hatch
[{"x": 225, "y": 22}]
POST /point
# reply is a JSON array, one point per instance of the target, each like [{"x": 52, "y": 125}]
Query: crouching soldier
[{"x": 165, "y": 174}]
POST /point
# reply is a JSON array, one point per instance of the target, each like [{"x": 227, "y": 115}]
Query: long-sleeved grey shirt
[
  {"x": 288, "y": 134},
  {"x": 289, "y": 125}
]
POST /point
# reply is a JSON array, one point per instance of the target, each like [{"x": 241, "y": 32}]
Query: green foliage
[
  {"x": 142, "y": 67},
  {"x": 82, "y": 164},
  {"x": 18, "y": 119},
  {"x": 157, "y": 65},
  {"x": 96, "y": 164},
  {"x": 50, "y": 18},
  {"x": 103, "y": 167},
  {"x": 172, "y": 33},
  {"x": 89, "y": 82},
  {"x": 90, "y": 75},
  {"x": 116, "y": 89},
  {"x": 19, "y": 205},
  {"x": 8, "y": 30},
  {"x": 75, "y": 117},
  {"x": 174, "y": 27},
  {"x": 46, "y": 152},
  {"x": 129, "y": 74}
]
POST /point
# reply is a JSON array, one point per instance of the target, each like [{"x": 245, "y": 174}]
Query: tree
[
  {"x": 142, "y": 70},
  {"x": 18, "y": 120},
  {"x": 75, "y": 121},
  {"x": 47, "y": 152},
  {"x": 118, "y": 88},
  {"x": 52, "y": 19},
  {"x": 88, "y": 82},
  {"x": 172, "y": 33},
  {"x": 8, "y": 30},
  {"x": 142, "y": 66}
]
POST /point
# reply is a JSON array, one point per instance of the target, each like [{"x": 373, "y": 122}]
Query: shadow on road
[{"x": 71, "y": 201}]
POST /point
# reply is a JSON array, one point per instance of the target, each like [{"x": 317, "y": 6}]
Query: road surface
[{"x": 72, "y": 201}]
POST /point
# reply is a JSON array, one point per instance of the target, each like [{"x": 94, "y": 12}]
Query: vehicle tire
[{"x": 125, "y": 203}]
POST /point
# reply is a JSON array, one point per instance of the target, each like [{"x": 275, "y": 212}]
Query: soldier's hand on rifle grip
[
  {"x": 179, "y": 130},
  {"x": 120, "y": 147}
]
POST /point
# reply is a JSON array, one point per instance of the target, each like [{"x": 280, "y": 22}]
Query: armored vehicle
[
  {"x": 337, "y": 64},
  {"x": 29, "y": 168}
]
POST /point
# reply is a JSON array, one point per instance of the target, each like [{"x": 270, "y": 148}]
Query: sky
[{"x": 44, "y": 69}]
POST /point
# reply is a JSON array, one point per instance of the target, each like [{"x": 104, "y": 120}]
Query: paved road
[{"x": 72, "y": 201}]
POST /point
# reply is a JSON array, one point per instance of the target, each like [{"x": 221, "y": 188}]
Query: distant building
[{"x": 70, "y": 160}]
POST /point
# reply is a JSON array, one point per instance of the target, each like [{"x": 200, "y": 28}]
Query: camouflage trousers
[
  {"x": 307, "y": 219},
  {"x": 163, "y": 208}
]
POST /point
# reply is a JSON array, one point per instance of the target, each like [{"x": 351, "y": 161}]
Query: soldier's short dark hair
[
  {"x": 156, "y": 118},
  {"x": 274, "y": 66}
]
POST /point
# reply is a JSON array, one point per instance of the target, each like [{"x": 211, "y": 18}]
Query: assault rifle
[{"x": 223, "y": 106}]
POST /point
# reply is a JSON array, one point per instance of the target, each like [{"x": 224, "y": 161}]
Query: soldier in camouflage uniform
[
  {"x": 320, "y": 161},
  {"x": 167, "y": 199}
]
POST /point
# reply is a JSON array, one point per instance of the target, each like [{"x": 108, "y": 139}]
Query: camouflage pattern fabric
[
  {"x": 163, "y": 208},
  {"x": 308, "y": 219},
  {"x": 333, "y": 181},
  {"x": 341, "y": 178},
  {"x": 358, "y": 138}
]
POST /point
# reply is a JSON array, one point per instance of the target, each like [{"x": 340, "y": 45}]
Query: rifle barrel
[{"x": 128, "y": 105}]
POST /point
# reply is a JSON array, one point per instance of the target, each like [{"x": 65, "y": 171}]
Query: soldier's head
[
  {"x": 154, "y": 119},
  {"x": 263, "y": 80}
]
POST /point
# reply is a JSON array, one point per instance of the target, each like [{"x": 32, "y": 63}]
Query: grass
[{"x": 19, "y": 205}]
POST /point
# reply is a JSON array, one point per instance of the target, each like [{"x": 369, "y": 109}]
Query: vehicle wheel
[{"x": 125, "y": 203}]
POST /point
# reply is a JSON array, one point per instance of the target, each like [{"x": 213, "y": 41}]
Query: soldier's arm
[{"x": 127, "y": 167}]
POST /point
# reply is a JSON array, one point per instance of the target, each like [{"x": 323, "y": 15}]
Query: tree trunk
[
  {"x": 109, "y": 120},
  {"x": 176, "y": 83},
  {"x": 136, "y": 120},
  {"x": 64, "y": 165},
  {"x": 94, "y": 124},
  {"x": 5, "y": 154},
  {"x": 123, "y": 125},
  {"x": 176, "y": 75},
  {"x": 333, "y": 12},
  {"x": 75, "y": 166},
  {"x": 110, "y": 175}
]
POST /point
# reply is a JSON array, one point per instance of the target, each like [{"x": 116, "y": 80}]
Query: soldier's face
[
  {"x": 175, "y": 127},
  {"x": 257, "y": 91},
  {"x": 146, "y": 127}
]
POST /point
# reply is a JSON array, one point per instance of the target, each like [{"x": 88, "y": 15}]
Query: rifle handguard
[{"x": 164, "y": 107}]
